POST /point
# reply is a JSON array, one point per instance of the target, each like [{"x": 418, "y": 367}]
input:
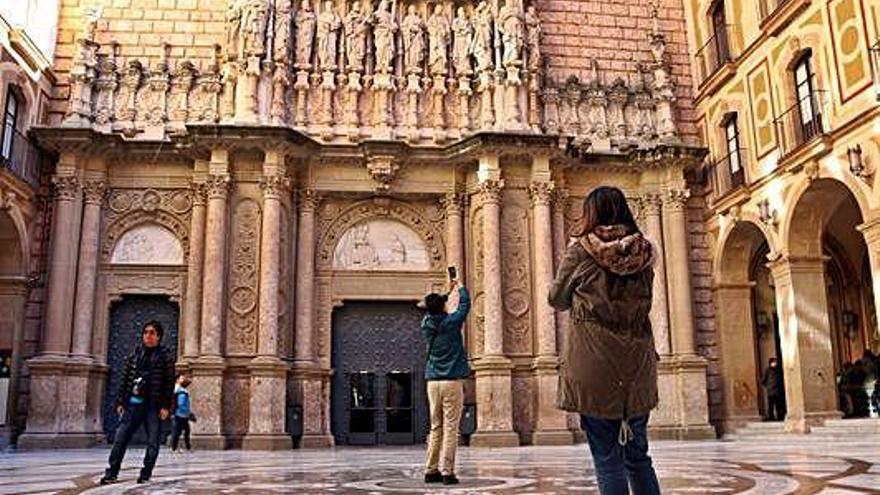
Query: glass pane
[
  {"x": 7, "y": 142},
  {"x": 399, "y": 421},
  {"x": 731, "y": 130},
  {"x": 362, "y": 421},
  {"x": 806, "y": 106},
  {"x": 398, "y": 393},
  {"x": 362, "y": 386},
  {"x": 801, "y": 73},
  {"x": 734, "y": 161}
]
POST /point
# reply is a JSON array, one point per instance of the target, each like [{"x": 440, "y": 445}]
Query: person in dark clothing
[
  {"x": 145, "y": 398},
  {"x": 774, "y": 385},
  {"x": 445, "y": 371},
  {"x": 182, "y": 413}
]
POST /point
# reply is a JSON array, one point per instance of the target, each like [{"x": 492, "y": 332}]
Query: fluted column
[
  {"x": 84, "y": 305},
  {"x": 62, "y": 264},
  {"x": 493, "y": 305},
  {"x": 268, "y": 373},
  {"x": 681, "y": 313},
  {"x": 550, "y": 427},
  {"x": 305, "y": 279},
  {"x": 652, "y": 203},
  {"x": 195, "y": 272}
]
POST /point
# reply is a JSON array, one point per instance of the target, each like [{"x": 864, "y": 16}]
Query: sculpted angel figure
[
  {"x": 384, "y": 28},
  {"x": 355, "y": 28},
  {"x": 329, "y": 24},
  {"x": 413, "y": 40},
  {"x": 305, "y": 34},
  {"x": 439, "y": 32}
]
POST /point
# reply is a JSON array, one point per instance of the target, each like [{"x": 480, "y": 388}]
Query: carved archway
[{"x": 124, "y": 224}]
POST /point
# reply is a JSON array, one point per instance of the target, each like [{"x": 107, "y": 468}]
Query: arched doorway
[
  {"x": 13, "y": 296},
  {"x": 745, "y": 322},
  {"x": 826, "y": 324}
]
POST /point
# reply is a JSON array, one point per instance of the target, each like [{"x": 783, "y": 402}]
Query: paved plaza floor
[{"x": 796, "y": 467}]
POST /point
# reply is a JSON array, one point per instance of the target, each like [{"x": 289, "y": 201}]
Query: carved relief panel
[
  {"x": 241, "y": 325},
  {"x": 147, "y": 220},
  {"x": 475, "y": 254},
  {"x": 380, "y": 245},
  {"x": 516, "y": 280}
]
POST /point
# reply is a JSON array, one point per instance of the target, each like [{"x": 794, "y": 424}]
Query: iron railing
[
  {"x": 715, "y": 53},
  {"x": 803, "y": 121},
  {"x": 22, "y": 158},
  {"x": 723, "y": 174},
  {"x": 769, "y": 7}
]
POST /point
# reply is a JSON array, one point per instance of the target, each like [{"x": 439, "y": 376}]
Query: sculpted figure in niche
[
  {"x": 384, "y": 28},
  {"x": 282, "y": 31},
  {"x": 305, "y": 34},
  {"x": 398, "y": 250},
  {"x": 482, "y": 44},
  {"x": 254, "y": 17},
  {"x": 511, "y": 27},
  {"x": 233, "y": 26},
  {"x": 439, "y": 31},
  {"x": 356, "y": 24},
  {"x": 329, "y": 25},
  {"x": 462, "y": 43},
  {"x": 363, "y": 252},
  {"x": 413, "y": 41},
  {"x": 533, "y": 38}
]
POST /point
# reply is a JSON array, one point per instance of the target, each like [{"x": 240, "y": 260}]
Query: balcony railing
[
  {"x": 23, "y": 160},
  {"x": 803, "y": 121},
  {"x": 716, "y": 52},
  {"x": 768, "y": 7},
  {"x": 727, "y": 173}
]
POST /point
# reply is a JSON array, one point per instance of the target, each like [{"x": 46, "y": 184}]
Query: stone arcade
[{"x": 343, "y": 152}]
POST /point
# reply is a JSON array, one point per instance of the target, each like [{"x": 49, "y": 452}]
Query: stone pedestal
[
  {"x": 267, "y": 406},
  {"x": 552, "y": 425},
  {"x": 683, "y": 408},
  {"x": 309, "y": 389},
  {"x": 494, "y": 404},
  {"x": 207, "y": 391}
]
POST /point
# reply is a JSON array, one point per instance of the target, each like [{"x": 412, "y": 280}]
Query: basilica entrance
[
  {"x": 127, "y": 318},
  {"x": 378, "y": 389}
]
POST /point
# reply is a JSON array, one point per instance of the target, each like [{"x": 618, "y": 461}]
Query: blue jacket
[
  {"x": 181, "y": 398},
  {"x": 447, "y": 357}
]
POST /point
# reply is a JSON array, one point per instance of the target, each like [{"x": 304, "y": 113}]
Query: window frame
[
  {"x": 9, "y": 127},
  {"x": 733, "y": 147},
  {"x": 808, "y": 123}
]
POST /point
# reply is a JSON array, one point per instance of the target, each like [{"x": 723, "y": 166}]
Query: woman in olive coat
[{"x": 608, "y": 372}]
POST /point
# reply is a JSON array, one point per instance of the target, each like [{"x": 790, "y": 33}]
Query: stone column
[
  {"x": 685, "y": 386},
  {"x": 493, "y": 368},
  {"x": 308, "y": 378},
  {"x": 737, "y": 339},
  {"x": 207, "y": 370},
  {"x": 268, "y": 399},
  {"x": 192, "y": 305},
  {"x": 807, "y": 354},
  {"x": 84, "y": 305},
  {"x": 454, "y": 202},
  {"x": 551, "y": 428},
  {"x": 871, "y": 231},
  {"x": 652, "y": 203}
]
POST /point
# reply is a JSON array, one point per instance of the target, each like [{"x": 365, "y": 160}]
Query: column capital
[
  {"x": 651, "y": 203},
  {"x": 309, "y": 200},
  {"x": 560, "y": 199},
  {"x": 782, "y": 266},
  {"x": 199, "y": 192},
  {"x": 453, "y": 202},
  {"x": 541, "y": 193},
  {"x": 67, "y": 187},
  {"x": 676, "y": 199},
  {"x": 95, "y": 190},
  {"x": 274, "y": 186},
  {"x": 217, "y": 186},
  {"x": 491, "y": 190}
]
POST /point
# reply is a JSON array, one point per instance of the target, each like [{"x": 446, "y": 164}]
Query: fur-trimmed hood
[{"x": 617, "y": 251}]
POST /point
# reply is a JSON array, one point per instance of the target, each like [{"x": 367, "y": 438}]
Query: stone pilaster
[
  {"x": 268, "y": 372},
  {"x": 652, "y": 204},
  {"x": 192, "y": 306},
  {"x": 738, "y": 339},
  {"x": 804, "y": 329},
  {"x": 551, "y": 426},
  {"x": 871, "y": 231},
  {"x": 454, "y": 203},
  {"x": 493, "y": 368},
  {"x": 84, "y": 304}
]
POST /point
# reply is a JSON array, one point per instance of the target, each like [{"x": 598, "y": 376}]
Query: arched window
[
  {"x": 809, "y": 121},
  {"x": 11, "y": 113}
]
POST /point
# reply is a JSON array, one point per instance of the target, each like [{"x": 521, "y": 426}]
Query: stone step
[{"x": 875, "y": 422}]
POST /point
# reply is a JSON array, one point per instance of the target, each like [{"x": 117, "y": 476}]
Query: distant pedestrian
[
  {"x": 609, "y": 365},
  {"x": 145, "y": 398},
  {"x": 445, "y": 371},
  {"x": 182, "y": 413},
  {"x": 773, "y": 384}
]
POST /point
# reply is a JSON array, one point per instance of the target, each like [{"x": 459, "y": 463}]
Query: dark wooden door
[
  {"x": 127, "y": 318},
  {"x": 378, "y": 388}
]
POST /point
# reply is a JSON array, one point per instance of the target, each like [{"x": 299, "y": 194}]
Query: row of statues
[{"x": 442, "y": 45}]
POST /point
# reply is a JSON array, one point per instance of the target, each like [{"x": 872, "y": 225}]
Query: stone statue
[
  {"x": 90, "y": 25},
  {"x": 398, "y": 248},
  {"x": 482, "y": 42},
  {"x": 282, "y": 31},
  {"x": 413, "y": 41},
  {"x": 329, "y": 24},
  {"x": 462, "y": 43},
  {"x": 356, "y": 24},
  {"x": 533, "y": 38},
  {"x": 511, "y": 28},
  {"x": 252, "y": 35},
  {"x": 439, "y": 31},
  {"x": 233, "y": 25},
  {"x": 305, "y": 35},
  {"x": 384, "y": 28}
]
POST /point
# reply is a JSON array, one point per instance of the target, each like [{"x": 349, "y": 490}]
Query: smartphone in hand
[{"x": 452, "y": 273}]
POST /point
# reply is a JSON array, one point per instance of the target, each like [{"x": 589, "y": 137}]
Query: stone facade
[{"x": 260, "y": 163}]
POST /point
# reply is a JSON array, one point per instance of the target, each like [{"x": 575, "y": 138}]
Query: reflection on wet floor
[{"x": 793, "y": 468}]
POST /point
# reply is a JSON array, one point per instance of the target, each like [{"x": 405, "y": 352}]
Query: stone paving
[{"x": 795, "y": 467}]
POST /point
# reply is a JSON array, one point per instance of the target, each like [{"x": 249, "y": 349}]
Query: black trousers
[
  {"x": 135, "y": 416},
  {"x": 776, "y": 407},
  {"x": 181, "y": 425}
]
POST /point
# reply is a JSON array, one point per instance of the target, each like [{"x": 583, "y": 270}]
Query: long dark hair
[{"x": 605, "y": 206}]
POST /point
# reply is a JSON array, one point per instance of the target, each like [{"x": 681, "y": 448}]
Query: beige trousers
[{"x": 445, "y": 399}]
